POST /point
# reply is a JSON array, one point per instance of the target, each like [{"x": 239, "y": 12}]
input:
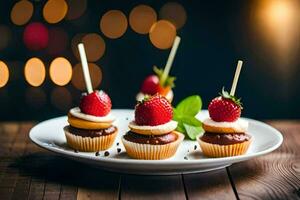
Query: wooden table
[{"x": 28, "y": 172}]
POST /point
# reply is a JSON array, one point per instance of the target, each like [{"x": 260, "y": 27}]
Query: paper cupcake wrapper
[
  {"x": 215, "y": 150},
  {"x": 151, "y": 151},
  {"x": 88, "y": 144}
]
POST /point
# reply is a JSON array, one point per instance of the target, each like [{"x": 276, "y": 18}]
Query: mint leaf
[
  {"x": 193, "y": 131},
  {"x": 189, "y": 106},
  {"x": 180, "y": 127}
]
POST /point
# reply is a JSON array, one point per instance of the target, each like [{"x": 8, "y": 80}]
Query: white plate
[{"x": 49, "y": 135}]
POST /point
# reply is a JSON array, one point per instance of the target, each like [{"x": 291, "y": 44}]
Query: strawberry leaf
[
  {"x": 170, "y": 79},
  {"x": 224, "y": 94}
]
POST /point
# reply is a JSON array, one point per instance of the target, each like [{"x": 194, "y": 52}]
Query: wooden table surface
[{"x": 28, "y": 172}]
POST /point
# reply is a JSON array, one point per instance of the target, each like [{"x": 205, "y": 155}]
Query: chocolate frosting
[
  {"x": 91, "y": 133},
  {"x": 151, "y": 139},
  {"x": 225, "y": 138}
]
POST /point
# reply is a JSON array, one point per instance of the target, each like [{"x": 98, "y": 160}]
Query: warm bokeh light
[
  {"x": 162, "y": 34},
  {"x": 22, "y": 12},
  {"x": 78, "y": 80},
  {"x": 58, "y": 41},
  {"x": 5, "y": 36},
  {"x": 94, "y": 46},
  {"x": 61, "y": 98},
  {"x": 36, "y": 36},
  {"x": 60, "y": 71},
  {"x": 113, "y": 24},
  {"x": 74, "y": 44},
  {"x": 35, "y": 72},
  {"x": 35, "y": 97},
  {"x": 55, "y": 10},
  {"x": 141, "y": 18},
  {"x": 76, "y": 8},
  {"x": 173, "y": 12},
  {"x": 4, "y": 74}
]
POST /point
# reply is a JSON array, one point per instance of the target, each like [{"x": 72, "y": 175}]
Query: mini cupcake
[
  {"x": 225, "y": 133},
  {"x": 152, "y": 134},
  {"x": 91, "y": 126}
]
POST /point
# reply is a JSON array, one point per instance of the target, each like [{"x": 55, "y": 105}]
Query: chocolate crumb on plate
[
  {"x": 118, "y": 150},
  {"x": 118, "y": 143},
  {"x": 185, "y": 158},
  {"x": 97, "y": 153},
  {"x": 106, "y": 153},
  {"x": 195, "y": 147},
  {"x": 76, "y": 151}
]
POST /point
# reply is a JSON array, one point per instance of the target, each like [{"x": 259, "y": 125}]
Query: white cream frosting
[
  {"x": 140, "y": 96},
  {"x": 240, "y": 124},
  {"x": 159, "y": 129},
  {"x": 105, "y": 119}
]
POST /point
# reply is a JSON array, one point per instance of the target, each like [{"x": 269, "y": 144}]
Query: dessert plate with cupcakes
[{"x": 156, "y": 138}]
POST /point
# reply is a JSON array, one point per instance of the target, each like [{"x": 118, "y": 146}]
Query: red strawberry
[
  {"x": 150, "y": 85},
  {"x": 97, "y": 103},
  {"x": 153, "y": 111},
  {"x": 225, "y": 108}
]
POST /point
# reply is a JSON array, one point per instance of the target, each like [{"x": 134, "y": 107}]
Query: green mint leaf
[
  {"x": 189, "y": 106},
  {"x": 190, "y": 121},
  {"x": 180, "y": 128},
  {"x": 192, "y": 131}
]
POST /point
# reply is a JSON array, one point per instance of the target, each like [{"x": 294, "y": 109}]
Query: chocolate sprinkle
[
  {"x": 97, "y": 153},
  {"x": 195, "y": 147},
  {"x": 106, "y": 153},
  {"x": 119, "y": 150},
  {"x": 185, "y": 158}
]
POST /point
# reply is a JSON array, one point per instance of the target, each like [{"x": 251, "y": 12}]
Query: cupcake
[
  {"x": 154, "y": 84},
  {"x": 152, "y": 134},
  {"x": 91, "y": 126},
  {"x": 225, "y": 133}
]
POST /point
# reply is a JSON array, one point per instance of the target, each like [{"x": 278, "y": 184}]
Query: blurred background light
[
  {"x": 76, "y": 9},
  {"x": 113, "y": 24},
  {"x": 4, "y": 74},
  {"x": 60, "y": 71},
  {"x": 35, "y": 97},
  {"x": 21, "y": 12},
  {"x": 36, "y": 36},
  {"x": 141, "y": 18},
  {"x": 5, "y": 36},
  {"x": 94, "y": 46},
  {"x": 61, "y": 98},
  {"x": 162, "y": 34},
  {"x": 35, "y": 72},
  {"x": 55, "y": 10},
  {"x": 77, "y": 78},
  {"x": 173, "y": 12},
  {"x": 74, "y": 44},
  {"x": 58, "y": 41}
]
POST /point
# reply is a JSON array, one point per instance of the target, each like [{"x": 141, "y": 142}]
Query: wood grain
[{"x": 273, "y": 176}]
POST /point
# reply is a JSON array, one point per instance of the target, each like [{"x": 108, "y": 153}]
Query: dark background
[{"x": 215, "y": 35}]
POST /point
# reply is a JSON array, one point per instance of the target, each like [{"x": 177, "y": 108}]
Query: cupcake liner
[
  {"x": 152, "y": 151},
  {"x": 216, "y": 150},
  {"x": 88, "y": 144}
]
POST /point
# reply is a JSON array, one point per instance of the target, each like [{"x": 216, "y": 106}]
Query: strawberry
[
  {"x": 153, "y": 111},
  {"x": 225, "y": 108},
  {"x": 150, "y": 85},
  {"x": 97, "y": 103}
]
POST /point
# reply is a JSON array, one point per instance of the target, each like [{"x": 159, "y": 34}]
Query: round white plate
[{"x": 49, "y": 135}]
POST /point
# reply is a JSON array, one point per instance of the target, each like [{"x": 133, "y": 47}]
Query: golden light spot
[
  {"x": 4, "y": 74},
  {"x": 35, "y": 72},
  {"x": 64, "y": 103},
  {"x": 22, "y": 12},
  {"x": 60, "y": 71},
  {"x": 141, "y": 18},
  {"x": 78, "y": 80},
  {"x": 113, "y": 24},
  {"x": 5, "y": 36},
  {"x": 55, "y": 10},
  {"x": 94, "y": 46},
  {"x": 162, "y": 34},
  {"x": 74, "y": 44},
  {"x": 76, "y": 8},
  {"x": 35, "y": 97},
  {"x": 173, "y": 12}
]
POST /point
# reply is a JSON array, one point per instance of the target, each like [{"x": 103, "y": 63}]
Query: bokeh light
[
  {"x": 78, "y": 80},
  {"x": 5, "y": 36},
  {"x": 60, "y": 71},
  {"x": 113, "y": 24},
  {"x": 94, "y": 46},
  {"x": 58, "y": 41},
  {"x": 162, "y": 34},
  {"x": 35, "y": 97},
  {"x": 35, "y": 72},
  {"x": 4, "y": 74},
  {"x": 74, "y": 44},
  {"x": 173, "y": 12},
  {"x": 141, "y": 18},
  {"x": 64, "y": 103},
  {"x": 36, "y": 36},
  {"x": 76, "y": 9},
  {"x": 21, "y": 12},
  {"x": 55, "y": 10}
]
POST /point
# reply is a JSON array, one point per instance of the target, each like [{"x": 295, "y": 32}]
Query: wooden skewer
[
  {"x": 170, "y": 60},
  {"x": 85, "y": 68},
  {"x": 236, "y": 77}
]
